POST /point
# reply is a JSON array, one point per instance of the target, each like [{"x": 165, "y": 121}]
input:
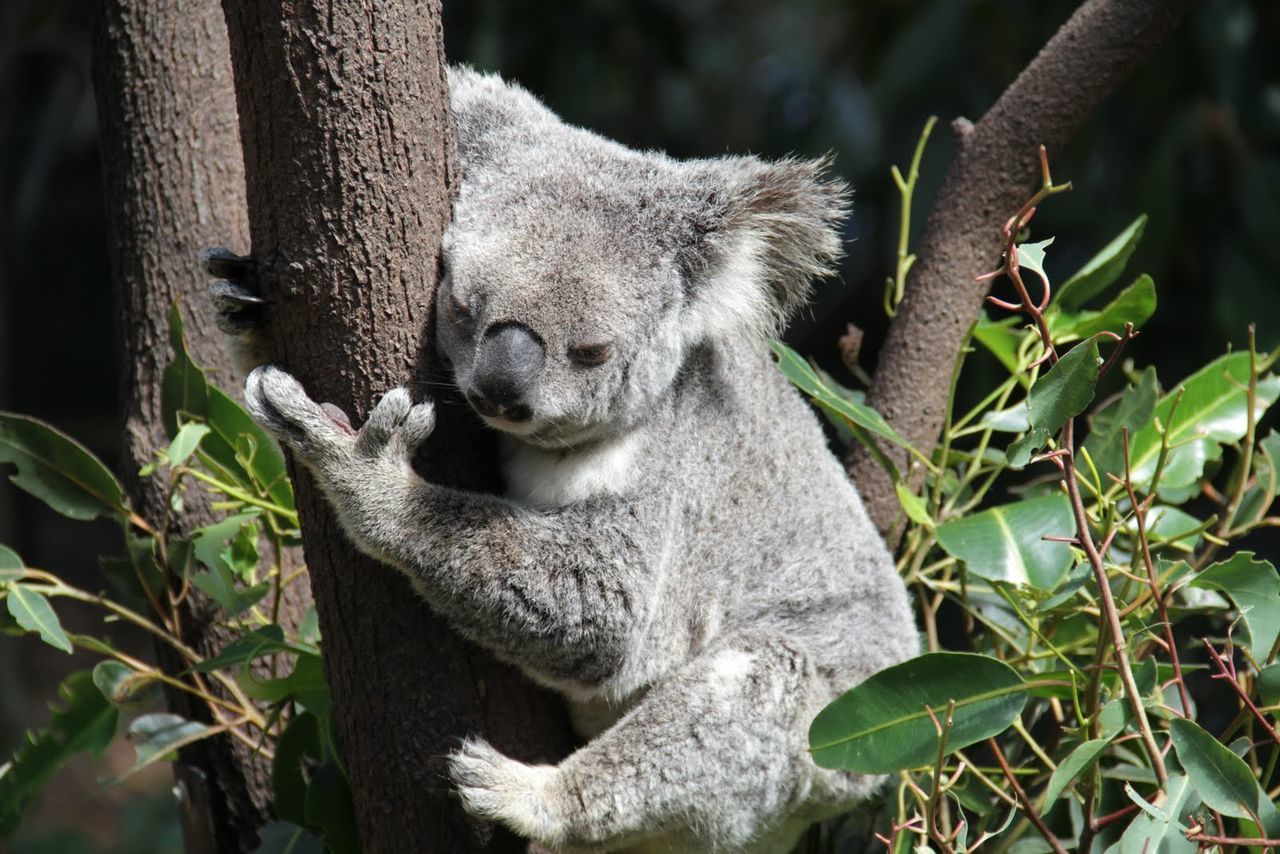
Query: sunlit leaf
[
  {"x": 883, "y": 725},
  {"x": 11, "y": 565},
  {"x": 1212, "y": 411},
  {"x": 913, "y": 505},
  {"x": 1001, "y": 337},
  {"x": 1254, "y": 586},
  {"x": 1061, "y": 393},
  {"x": 1135, "y": 304},
  {"x": 1102, "y": 270},
  {"x": 185, "y": 443},
  {"x": 1162, "y": 833},
  {"x": 59, "y": 470},
  {"x": 802, "y": 374},
  {"x": 1006, "y": 543}
]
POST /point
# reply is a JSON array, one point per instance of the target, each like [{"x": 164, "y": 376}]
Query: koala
[{"x": 677, "y": 551}]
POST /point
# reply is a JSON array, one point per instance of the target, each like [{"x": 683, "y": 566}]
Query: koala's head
[{"x": 580, "y": 274}]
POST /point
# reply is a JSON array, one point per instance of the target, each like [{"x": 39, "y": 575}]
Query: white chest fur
[{"x": 551, "y": 479}]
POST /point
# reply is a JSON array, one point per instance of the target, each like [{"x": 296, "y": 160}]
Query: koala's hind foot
[
  {"x": 241, "y": 311},
  {"x": 714, "y": 759}
]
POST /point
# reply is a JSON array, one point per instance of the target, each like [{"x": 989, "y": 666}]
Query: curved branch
[{"x": 994, "y": 168}]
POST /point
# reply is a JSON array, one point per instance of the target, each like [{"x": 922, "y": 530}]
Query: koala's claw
[
  {"x": 395, "y": 422},
  {"x": 221, "y": 263}
]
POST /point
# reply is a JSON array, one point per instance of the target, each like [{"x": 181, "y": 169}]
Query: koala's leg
[{"x": 714, "y": 759}]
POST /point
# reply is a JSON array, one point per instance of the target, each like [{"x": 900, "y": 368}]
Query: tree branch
[{"x": 995, "y": 165}]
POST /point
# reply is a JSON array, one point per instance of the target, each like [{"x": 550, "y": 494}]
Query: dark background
[{"x": 1193, "y": 139}]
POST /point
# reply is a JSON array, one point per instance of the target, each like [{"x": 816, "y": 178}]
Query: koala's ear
[{"x": 757, "y": 235}]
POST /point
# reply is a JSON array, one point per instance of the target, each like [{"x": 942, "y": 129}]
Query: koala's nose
[{"x": 509, "y": 360}]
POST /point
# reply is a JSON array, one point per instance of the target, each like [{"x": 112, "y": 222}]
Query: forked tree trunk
[
  {"x": 174, "y": 184},
  {"x": 349, "y": 156}
]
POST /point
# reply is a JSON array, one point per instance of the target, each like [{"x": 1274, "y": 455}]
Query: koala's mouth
[{"x": 525, "y": 427}]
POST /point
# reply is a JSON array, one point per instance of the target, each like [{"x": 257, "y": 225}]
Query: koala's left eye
[
  {"x": 590, "y": 355},
  {"x": 459, "y": 311}
]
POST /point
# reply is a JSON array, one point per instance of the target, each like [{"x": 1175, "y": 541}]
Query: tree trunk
[
  {"x": 349, "y": 156},
  {"x": 174, "y": 184},
  {"x": 991, "y": 176}
]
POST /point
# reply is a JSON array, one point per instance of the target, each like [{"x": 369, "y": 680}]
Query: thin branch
[{"x": 1023, "y": 800}]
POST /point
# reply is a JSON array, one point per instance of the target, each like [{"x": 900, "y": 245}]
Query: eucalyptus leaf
[
  {"x": 1222, "y": 779},
  {"x": 1212, "y": 411},
  {"x": 1135, "y": 304},
  {"x": 11, "y": 565},
  {"x": 59, "y": 470},
  {"x": 159, "y": 735},
  {"x": 1001, "y": 337},
  {"x": 1254, "y": 586},
  {"x": 184, "y": 444},
  {"x": 1163, "y": 829},
  {"x": 330, "y": 808},
  {"x": 1078, "y": 761},
  {"x": 913, "y": 505},
  {"x": 802, "y": 374},
  {"x": 883, "y": 725},
  {"x": 83, "y": 722},
  {"x": 34, "y": 613},
  {"x": 121, "y": 684},
  {"x": 1005, "y": 543},
  {"x": 1102, "y": 270},
  {"x": 1063, "y": 392},
  {"x": 1130, "y": 411}
]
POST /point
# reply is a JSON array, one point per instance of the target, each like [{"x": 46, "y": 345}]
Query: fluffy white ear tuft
[{"x": 759, "y": 234}]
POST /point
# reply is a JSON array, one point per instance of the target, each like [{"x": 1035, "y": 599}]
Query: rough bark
[
  {"x": 174, "y": 184},
  {"x": 348, "y": 148},
  {"x": 993, "y": 173}
]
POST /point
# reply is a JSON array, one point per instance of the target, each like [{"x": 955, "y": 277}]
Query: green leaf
[
  {"x": 882, "y": 725},
  {"x": 1212, "y": 411},
  {"x": 34, "y": 613},
  {"x": 1163, "y": 829},
  {"x": 243, "y": 449},
  {"x": 802, "y": 374},
  {"x": 1131, "y": 411},
  {"x": 11, "y": 565},
  {"x": 913, "y": 506},
  {"x": 299, "y": 742},
  {"x": 267, "y": 640},
  {"x": 1101, "y": 270},
  {"x": 185, "y": 443},
  {"x": 1078, "y": 761},
  {"x": 121, "y": 684},
  {"x": 1220, "y": 777},
  {"x": 184, "y": 393},
  {"x": 1269, "y": 685},
  {"x": 329, "y": 807},
  {"x": 85, "y": 721},
  {"x": 1005, "y": 543},
  {"x": 1135, "y": 304},
  {"x": 59, "y": 470},
  {"x": 209, "y": 542},
  {"x": 1062, "y": 393},
  {"x": 1031, "y": 257},
  {"x": 159, "y": 735},
  {"x": 1254, "y": 587},
  {"x": 1001, "y": 337},
  {"x": 221, "y": 586},
  {"x": 305, "y": 684}
]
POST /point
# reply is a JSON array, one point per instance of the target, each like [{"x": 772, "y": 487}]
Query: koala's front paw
[
  {"x": 495, "y": 787},
  {"x": 239, "y": 305},
  {"x": 319, "y": 434}
]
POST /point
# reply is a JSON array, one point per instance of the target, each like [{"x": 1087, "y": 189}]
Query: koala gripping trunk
[{"x": 349, "y": 162}]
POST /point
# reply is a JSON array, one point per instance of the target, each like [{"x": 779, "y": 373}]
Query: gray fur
[{"x": 678, "y": 553}]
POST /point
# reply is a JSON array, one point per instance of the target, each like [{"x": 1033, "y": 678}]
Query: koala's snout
[{"x": 509, "y": 360}]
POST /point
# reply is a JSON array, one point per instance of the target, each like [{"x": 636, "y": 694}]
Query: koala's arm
[{"x": 560, "y": 592}]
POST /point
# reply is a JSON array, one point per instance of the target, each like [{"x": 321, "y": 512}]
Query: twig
[
  {"x": 1139, "y": 515},
  {"x": 1226, "y": 672},
  {"x": 1025, "y": 802}
]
